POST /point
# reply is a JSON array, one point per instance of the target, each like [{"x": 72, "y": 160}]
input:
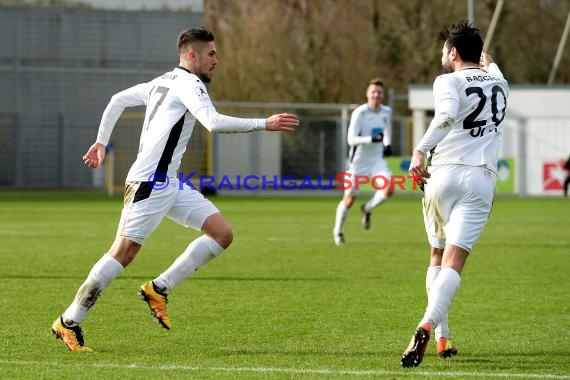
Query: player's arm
[
  {"x": 354, "y": 129},
  {"x": 446, "y": 108},
  {"x": 218, "y": 123},
  {"x": 133, "y": 96},
  {"x": 487, "y": 64},
  {"x": 199, "y": 104},
  {"x": 388, "y": 136}
]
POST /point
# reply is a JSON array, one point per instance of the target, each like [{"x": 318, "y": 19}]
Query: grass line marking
[{"x": 316, "y": 371}]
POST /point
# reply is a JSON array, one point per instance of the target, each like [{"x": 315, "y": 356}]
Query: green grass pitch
[{"x": 284, "y": 302}]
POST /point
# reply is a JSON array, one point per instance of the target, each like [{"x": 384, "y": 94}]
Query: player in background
[
  {"x": 464, "y": 138},
  {"x": 566, "y": 167},
  {"x": 174, "y": 101},
  {"x": 369, "y": 135}
]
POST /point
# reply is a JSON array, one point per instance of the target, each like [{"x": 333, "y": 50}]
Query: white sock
[
  {"x": 101, "y": 275},
  {"x": 198, "y": 253},
  {"x": 341, "y": 214},
  {"x": 442, "y": 328},
  {"x": 441, "y": 293},
  {"x": 378, "y": 198}
]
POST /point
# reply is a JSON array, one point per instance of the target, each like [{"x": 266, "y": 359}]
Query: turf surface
[{"x": 284, "y": 301}]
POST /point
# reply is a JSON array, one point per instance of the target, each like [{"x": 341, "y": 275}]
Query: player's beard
[
  {"x": 447, "y": 68},
  {"x": 205, "y": 78}
]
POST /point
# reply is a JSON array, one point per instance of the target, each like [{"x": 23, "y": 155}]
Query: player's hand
[
  {"x": 378, "y": 138},
  {"x": 286, "y": 122},
  {"x": 387, "y": 151},
  {"x": 94, "y": 156},
  {"x": 485, "y": 61},
  {"x": 417, "y": 169}
]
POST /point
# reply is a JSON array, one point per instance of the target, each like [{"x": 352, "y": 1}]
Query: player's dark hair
[
  {"x": 465, "y": 38},
  {"x": 192, "y": 35},
  {"x": 376, "y": 82}
]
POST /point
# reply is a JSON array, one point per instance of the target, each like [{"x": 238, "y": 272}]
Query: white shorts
[
  {"x": 378, "y": 169},
  {"x": 145, "y": 207},
  {"x": 457, "y": 203}
]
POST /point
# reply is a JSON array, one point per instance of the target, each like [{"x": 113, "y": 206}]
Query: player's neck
[
  {"x": 185, "y": 66},
  {"x": 372, "y": 108},
  {"x": 465, "y": 65}
]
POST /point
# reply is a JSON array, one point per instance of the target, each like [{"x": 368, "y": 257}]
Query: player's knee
[
  {"x": 224, "y": 236},
  {"x": 349, "y": 201}
]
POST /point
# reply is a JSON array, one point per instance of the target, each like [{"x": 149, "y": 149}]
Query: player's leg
[
  {"x": 340, "y": 216},
  {"x": 140, "y": 216},
  {"x": 382, "y": 177},
  {"x": 193, "y": 210},
  {"x": 348, "y": 199},
  {"x": 466, "y": 221},
  {"x": 439, "y": 196},
  {"x": 217, "y": 237},
  {"x": 566, "y": 184},
  {"x": 443, "y": 342}
]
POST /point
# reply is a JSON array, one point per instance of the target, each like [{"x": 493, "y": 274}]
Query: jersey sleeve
[
  {"x": 199, "y": 104},
  {"x": 388, "y": 131},
  {"x": 494, "y": 70},
  {"x": 131, "y": 97},
  {"x": 353, "y": 135},
  {"x": 446, "y": 97}
]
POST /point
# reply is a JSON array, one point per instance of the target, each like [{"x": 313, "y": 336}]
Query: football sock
[
  {"x": 378, "y": 198},
  {"x": 198, "y": 253},
  {"x": 341, "y": 214},
  {"x": 101, "y": 275},
  {"x": 442, "y": 329},
  {"x": 441, "y": 293}
]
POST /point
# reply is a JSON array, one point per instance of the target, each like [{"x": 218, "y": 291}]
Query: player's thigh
[
  {"x": 440, "y": 195},
  {"x": 357, "y": 175},
  {"x": 144, "y": 208},
  {"x": 381, "y": 176},
  {"x": 191, "y": 209},
  {"x": 471, "y": 212}
]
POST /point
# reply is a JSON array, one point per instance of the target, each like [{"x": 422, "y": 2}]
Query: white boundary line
[{"x": 297, "y": 371}]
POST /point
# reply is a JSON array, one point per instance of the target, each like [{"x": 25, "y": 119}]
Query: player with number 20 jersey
[
  {"x": 476, "y": 102},
  {"x": 464, "y": 139}
]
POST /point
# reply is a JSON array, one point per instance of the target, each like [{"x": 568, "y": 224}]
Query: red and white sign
[{"x": 553, "y": 175}]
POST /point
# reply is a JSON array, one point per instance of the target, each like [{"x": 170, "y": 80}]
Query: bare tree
[{"x": 327, "y": 50}]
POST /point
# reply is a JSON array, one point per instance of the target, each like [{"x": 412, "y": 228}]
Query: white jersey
[
  {"x": 174, "y": 101},
  {"x": 365, "y": 123},
  {"x": 469, "y": 110}
]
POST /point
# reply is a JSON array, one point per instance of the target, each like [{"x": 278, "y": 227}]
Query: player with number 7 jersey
[{"x": 174, "y": 101}]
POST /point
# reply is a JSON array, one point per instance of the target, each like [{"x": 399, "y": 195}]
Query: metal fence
[{"x": 58, "y": 71}]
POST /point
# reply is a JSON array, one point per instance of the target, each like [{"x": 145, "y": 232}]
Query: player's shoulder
[
  {"x": 386, "y": 109},
  {"x": 360, "y": 110},
  {"x": 447, "y": 79},
  {"x": 182, "y": 76}
]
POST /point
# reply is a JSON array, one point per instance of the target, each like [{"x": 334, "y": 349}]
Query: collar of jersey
[{"x": 182, "y": 68}]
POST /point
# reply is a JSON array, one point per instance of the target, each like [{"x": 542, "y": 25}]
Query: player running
[
  {"x": 174, "y": 101},
  {"x": 464, "y": 138},
  {"x": 369, "y": 135}
]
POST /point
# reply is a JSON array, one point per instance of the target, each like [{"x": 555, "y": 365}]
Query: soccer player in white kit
[
  {"x": 174, "y": 101},
  {"x": 369, "y": 135},
  {"x": 464, "y": 138}
]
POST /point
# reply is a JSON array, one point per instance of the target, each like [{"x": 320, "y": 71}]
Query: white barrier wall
[{"x": 536, "y": 134}]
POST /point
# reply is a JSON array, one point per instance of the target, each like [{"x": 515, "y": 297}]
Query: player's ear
[
  {"x": 191, "y": 54},
  {"x": 453, "y": 53}
]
